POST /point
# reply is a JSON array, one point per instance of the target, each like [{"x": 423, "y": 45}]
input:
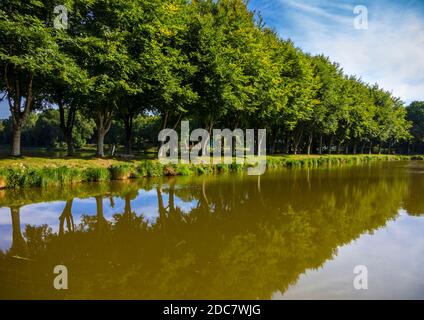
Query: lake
[{"x": 289, "y": 234}]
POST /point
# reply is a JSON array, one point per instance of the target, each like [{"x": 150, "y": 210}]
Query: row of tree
[{"x": 212, "y": 62}]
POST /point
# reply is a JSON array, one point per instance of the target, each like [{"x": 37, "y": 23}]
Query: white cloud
[
  {"x": 316, "y": 10},
  {"x": 390, "y": 52}
]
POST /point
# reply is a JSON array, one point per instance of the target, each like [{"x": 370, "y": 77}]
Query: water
[{"x": 290, "y": 234}]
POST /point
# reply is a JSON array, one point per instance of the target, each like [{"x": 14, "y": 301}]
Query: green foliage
[
  {"x": 136, "y": 66},
  {"x": 416, "y": 116},
  {"x": 148, "y": 168},
  {"x": 222, "y": 168},
  {"x": 42, "y": 129},
  {"x": 83, "y": 130},
  {"x": 120, "y": 172},
  {"x": 96, "y": 174},
  {"x": 184, "y": 169},
  {"x": 22, "y": 176},
  {"x": 26, "y": 177}
]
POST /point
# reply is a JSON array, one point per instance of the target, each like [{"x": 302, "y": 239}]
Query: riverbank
[{"x": 41, "y": 172}]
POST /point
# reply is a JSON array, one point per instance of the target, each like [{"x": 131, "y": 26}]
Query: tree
[
  {"x": 29, "y": 57},
  {"x": 302, "y": 85},
  {"x": 325, "y": 119},
  {"x": 211, "y": 62},
  {"x": 229, "y": 71},
  {"x": 416, "y": 116},
  {"x": 166, "y": 60},
  {"x": 67, "y": 96},
  {"x": 103, "y": 33}
]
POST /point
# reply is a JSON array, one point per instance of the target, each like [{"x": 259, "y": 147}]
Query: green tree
[
  {"x": 103, "y": 30},
  {"x": 416, "y": 116},
  {"x": 29, "y": 58},
  {"x": 224, "y": 49}
]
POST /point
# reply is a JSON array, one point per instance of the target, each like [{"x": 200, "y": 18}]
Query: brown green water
[{"x": 291, "y": 234}]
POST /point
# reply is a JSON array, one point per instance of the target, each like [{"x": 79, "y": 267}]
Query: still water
[{"x": 290, "y": 234}]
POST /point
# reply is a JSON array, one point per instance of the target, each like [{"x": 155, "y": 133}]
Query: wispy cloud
[
  {"x": 390, "y": 52},
  {"x": 320, "y": 12}
]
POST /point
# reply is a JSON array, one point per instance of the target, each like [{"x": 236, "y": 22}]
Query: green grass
[
  {"x": 40, "y": 172},
  {"x": 121, "y": 172},
  {"x": 96, "y": 174},
  {"x": 303, "y": 161},
  {"x": 150, "y": 168}
]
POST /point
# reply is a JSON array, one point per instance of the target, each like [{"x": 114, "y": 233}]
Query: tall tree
[
  {"x": 416, "y": 116},
  {"x": 104, "y": 28},
  {"x": 29, "y": 56}
]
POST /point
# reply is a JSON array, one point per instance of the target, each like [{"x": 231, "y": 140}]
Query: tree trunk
[
  {"x": 339, "y": 148},
  {"x": 100, "y": 143},
  {"x": 288, "y": 144},
  {"x": 311, "y": 138},
  {"x": 320, "y": 145},
  {"x": 207, "y": 146},
  {"x": 16, "y": 141},
  {"x": 297, "y": 142},
  {"x": 330, "y": 145},
  {"x": 128, "y": 123},
  {"x": 165, "y": 120},
  {"x": 165, "y": 126},
  {"x": 69, "y": 144},
  {"x": 103, "y": 122},
  {"x": 67, "y": 126},
  {"x": 14, "y": 97},
  {"x": 274, "y": 142}
]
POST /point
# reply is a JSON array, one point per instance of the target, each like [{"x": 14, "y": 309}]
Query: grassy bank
[{"x": 40, "y": 172}]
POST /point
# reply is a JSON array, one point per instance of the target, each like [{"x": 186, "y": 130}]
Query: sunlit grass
[{"x": 44, "y": 171}]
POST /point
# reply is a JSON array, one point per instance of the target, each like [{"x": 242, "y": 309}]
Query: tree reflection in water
[{"x": 245, "y": 237}]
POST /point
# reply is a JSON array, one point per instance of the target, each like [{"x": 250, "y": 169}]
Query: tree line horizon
[{"x": 122, "y": 66}]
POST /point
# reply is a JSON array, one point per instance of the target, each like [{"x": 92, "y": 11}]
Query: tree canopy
[{"x": 211, "y": 62}]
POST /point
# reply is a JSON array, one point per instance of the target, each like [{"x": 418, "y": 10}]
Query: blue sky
[
  {"x": 390, "y": 52},
  {"x": 4, "y": 110}
]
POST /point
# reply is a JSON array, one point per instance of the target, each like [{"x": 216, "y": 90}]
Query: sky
[
  {"x": 4, "y": 110},
  {"x": 389, "y": 52}
]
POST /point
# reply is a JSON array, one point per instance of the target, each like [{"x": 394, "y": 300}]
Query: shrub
[
  {"x": 236, "y": 167},
  {"x": 148, "y": 168},
  {"x": 120, "y": 172},
  {"x": 202, "y": 169},
  {"x": 222, "y": 168},
  {"x": 24, "y": 177},
  {"x": 96, "y": 174},
  {"x": 184, "y": 170}
]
